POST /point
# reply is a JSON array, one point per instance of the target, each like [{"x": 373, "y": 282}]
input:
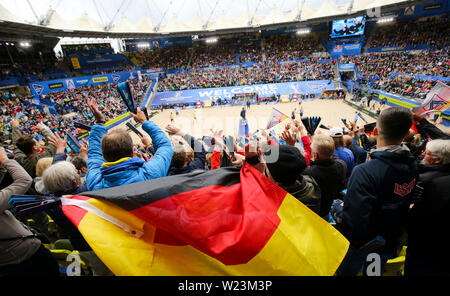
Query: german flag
[{"x": 230, "y": 221}]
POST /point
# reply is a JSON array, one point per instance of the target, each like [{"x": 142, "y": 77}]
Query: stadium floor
[{"x": 227, "y": 118}]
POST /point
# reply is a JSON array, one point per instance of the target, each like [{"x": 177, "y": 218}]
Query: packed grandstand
[{"x": 217, "y": 199}]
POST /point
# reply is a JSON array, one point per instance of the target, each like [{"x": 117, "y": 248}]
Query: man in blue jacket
[
  {"x": 116, "y": 148},
  {"x": 378, "y": 196}
]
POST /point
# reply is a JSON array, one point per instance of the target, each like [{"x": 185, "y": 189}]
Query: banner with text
[
  {"x": 60, "y": 85},
  {"x": 263, "y": 90}
]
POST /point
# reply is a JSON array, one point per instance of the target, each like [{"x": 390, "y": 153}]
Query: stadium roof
[{"x": 158, "y": 17}]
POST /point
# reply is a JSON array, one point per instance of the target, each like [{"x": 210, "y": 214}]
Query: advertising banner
[
  {"x": 346, "y": 49},
  {"x": 45, "y": 87},
  {"x": 263, "y": 90}
]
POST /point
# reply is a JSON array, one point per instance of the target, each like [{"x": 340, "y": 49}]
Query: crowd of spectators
[
  {"x": 383, "y": 68},
  {"x": 290, "y": 47},
  {"x": 405, "y": 86},
  {"x": 433, "y": 31},
  {"x": 255, "y": 74},
  {"x": 176, "y": 57},
  {"x": 423, "y": 62},
  {"x": 316, "y": 167},
  {"x": 269, "y": 49},
  {"x": 69, "y": 106}
]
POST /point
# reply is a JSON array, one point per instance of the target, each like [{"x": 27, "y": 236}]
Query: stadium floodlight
[
  {"x": 143, "y": 45},
  {"x": 385, "y": 20},
  {"x": 303, "y": 31},
  {"x": 211, "y": 40}
]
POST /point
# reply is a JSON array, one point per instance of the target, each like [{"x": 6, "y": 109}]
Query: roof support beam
[{"x": 38, "y": 21}]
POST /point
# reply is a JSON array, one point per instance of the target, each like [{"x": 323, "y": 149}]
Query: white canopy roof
[
  {"x": 124, "y": 25},
  {"x": 145, "y": 25},
  {"x": 85, "y": 23},
  {"x": 176, "y": 15},
  {"x": 6, "y": 15}
]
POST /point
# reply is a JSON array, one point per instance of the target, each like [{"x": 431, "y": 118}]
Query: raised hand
[
  {"x": 3, "y": 156},
  {"x": 288, "y": 138},
  {"x": 139, "y": 116},
  {"x": 92, "y": 104},
  {"x": 58, "y": 142},
  {"x": 145, "y": 141},
  {"x": 172, "y": 130},
  {"x": 219, "y": 143},
  {"x": 251, "y": 149}
]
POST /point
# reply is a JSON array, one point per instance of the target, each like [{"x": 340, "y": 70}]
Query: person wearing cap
[
  {"x": 284, "y": 165},
  {"x": 340, "y": 151}
]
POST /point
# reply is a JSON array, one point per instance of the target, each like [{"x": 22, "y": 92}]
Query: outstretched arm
[
  {"x": 95, "y": 156},
  {"x": 21, "y": 180},
  {"x": 159, "y": 165}
]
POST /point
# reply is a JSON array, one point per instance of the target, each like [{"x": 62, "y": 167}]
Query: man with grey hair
[
  {"x": 437, "y": 152},
  {"x": 427, "y": 220}
]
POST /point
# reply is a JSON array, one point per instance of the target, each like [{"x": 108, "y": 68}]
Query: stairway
[{"x": 337, "y": 77}]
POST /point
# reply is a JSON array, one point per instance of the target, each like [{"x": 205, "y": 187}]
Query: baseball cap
[{"x": 336, "y": 132}]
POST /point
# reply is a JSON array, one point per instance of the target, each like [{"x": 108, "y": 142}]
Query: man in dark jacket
[
  {"x": 243, "y": 113},
  {"x": 328, "y": 170},
  {"x": 180, "y": 159},
  {"x": 427, "y": 220},
  {"x": 378, "y": 196}
]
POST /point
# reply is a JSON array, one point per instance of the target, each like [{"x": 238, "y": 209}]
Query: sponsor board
[
  {"x": 38, "y": 88},
  {"x": 70, "y": 84},
  {"x": 100, "y": 79},
  {"x": 55, "y": 85},
  {"x": 263, "y": 90}
]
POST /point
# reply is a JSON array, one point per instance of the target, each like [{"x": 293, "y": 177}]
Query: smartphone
[
  {"x": 368, "y": 128},
  {"x": 81, "y": 126},
  {"x": 73, "y": 143},
  {"x": 134, "y": 129},
  {"x": 145, "y": 112}
]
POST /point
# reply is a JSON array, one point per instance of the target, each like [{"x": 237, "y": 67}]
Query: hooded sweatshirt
[{"x": 378, "y": 197}]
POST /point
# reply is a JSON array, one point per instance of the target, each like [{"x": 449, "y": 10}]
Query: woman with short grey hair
[{"x": 62, "y": 178}]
